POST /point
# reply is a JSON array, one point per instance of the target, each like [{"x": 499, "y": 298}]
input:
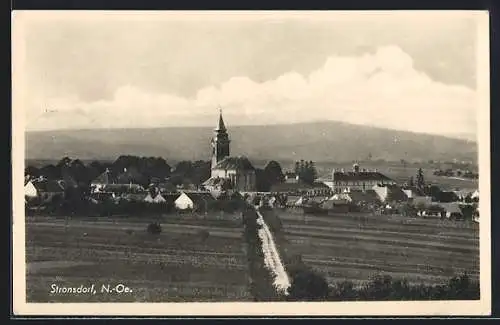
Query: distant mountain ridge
[{"x": 318, "y": 141}]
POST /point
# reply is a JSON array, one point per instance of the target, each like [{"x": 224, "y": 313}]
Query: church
[{"x": 236, "y": 173}]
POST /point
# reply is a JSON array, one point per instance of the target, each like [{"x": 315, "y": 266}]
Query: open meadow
[
  {"x": 177, "y": 265},
  {"x": 355, "y": 247}
]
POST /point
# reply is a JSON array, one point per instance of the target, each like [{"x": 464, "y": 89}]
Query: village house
[
  {"x": 195, "y": 201},
  {"x": 30, "y": 191},
  {"x": 452, "y": 210},
  {"x": 154, "y": 198},
  {"x": 357, "y": 179},
  {"x": 44, "y": 190},
  {"x": 291, "y": 178},
  {"x": 301, "y": 188},
  {"x": 110, "y": 180},
  {"x": 390, "y": 193},
  {"x": 239, "y": 171}
]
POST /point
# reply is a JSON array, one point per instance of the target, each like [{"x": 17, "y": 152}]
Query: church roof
[{"x": 238, "y": 163}]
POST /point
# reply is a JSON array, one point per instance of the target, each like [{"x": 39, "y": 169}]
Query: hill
[{"x": 319, "y": 141}]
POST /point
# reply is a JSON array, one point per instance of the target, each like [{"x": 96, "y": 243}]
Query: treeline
[
  {"x": 145, "y": 170},
  {"x": 306, "y": 170},
  {"x": 308, "y": 285},
  {"x": 77, "y": 206}
]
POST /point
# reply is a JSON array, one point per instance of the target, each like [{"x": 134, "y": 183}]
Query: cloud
[{"x": 380, "y": 89}]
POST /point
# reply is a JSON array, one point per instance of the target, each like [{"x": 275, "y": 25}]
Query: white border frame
[{"x": 430, "y": 308}]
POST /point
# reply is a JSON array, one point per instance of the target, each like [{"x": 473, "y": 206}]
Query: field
[
  {"x": 355, "y": 247},
  {"x": 174, "y": 266}
]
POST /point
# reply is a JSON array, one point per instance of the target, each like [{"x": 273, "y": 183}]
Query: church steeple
[
  {"x": 221, "y": 127},
  {"x": 220, "y": 142}
]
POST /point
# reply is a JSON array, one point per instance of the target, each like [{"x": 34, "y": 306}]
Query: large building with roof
[
  {"x": 237, "y": 171},
  {"x": 357, "y": 180}
]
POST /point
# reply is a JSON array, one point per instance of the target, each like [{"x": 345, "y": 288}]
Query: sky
[{"x": 414, "y": 72}]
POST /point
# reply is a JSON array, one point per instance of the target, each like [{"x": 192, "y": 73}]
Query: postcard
[{"x": 266, "y": 163}]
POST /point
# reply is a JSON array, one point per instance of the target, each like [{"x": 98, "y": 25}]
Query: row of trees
[
  {"x": 308, "y": 285},
  {"x": 306, "y": 170}
]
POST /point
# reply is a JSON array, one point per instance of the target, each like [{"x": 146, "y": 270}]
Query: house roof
[
  {"x": 107, "y": 177},
  {"x": 395, "y": 193},
  {"x": 369, "y": 196},
  {"x": 135, "y": 196},
  {"x": 292, "y": 187},
  {"x": 49, "y": 186},
  {"x": 359, "y": 176},
  {"x": 218, "y": 181},
  {"x": 291, "y": 199},
  {"x": 199, "y": 197},
  {"x": 415, "y": 191},
  {"x": 238, "y": 163},
  {"x": 131, "y": 175},
  {"x": 331, "y": 203},
  {"x": 447, "y": 196},
  {"x": 452, "y": 207},
  {"x": 123, "y": 188},
  {"x": 166, "y": 186}
]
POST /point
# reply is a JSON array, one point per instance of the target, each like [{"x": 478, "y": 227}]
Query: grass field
[
  {"x": 355, "y": 247},
  {"x": 176, "y": 265}
]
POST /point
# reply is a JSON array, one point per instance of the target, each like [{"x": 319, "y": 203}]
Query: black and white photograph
[{"x": 251, "y": 163}]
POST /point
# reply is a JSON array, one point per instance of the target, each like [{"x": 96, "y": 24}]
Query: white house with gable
[{"x": 30, "y": 190}]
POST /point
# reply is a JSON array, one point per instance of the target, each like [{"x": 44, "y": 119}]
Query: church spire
[{"x": 221, "y": 127}]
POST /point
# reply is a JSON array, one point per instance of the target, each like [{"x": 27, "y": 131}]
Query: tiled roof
[
  {"x": 395, "y": 193},
  {"x": 415, "y": 190},
  {"x": 452, "y": 207},
  {"x": 238, "y": 163},
  {"x": 359, "y": 176},
  {"x": 292, "y": 187},
  {"x": 123, "y": 188},
  {"x": 200, "y": 197},
  {"x": 49, "y": 186},
  {"x": 218, "y": 181},
  {"x": 369, "y": 196},
  {"x": 130, "y": 176},
  {"x": 107, "y": 177}
]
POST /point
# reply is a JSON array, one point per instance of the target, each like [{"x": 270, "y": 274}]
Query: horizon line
[{"x": 448, "y": 136}]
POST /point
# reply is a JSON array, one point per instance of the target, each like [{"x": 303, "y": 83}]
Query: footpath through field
[{"x": 272, "y": 258}]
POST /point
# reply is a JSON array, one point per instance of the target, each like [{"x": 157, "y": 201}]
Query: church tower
[{"x": 220, "y": 142}]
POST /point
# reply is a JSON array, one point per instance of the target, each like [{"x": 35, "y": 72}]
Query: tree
[
  {"x": 297, "y": 168},
  {"x": 308, "y": 285},
  {"x": 274, "y": 173},
  {"x": 154, "y": 228},
  {"x": 411, "y": 182},
  {"x": 420, "y": 179},
  {"x": 262, "y": 182},
  {"x": 31, "y": 171}
]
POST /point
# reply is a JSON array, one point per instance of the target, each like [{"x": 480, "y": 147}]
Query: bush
[
  {"x": 307, "y": 285},
  {"x": 154, "y": 228},
  {"x": 203, "y": 234}
]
